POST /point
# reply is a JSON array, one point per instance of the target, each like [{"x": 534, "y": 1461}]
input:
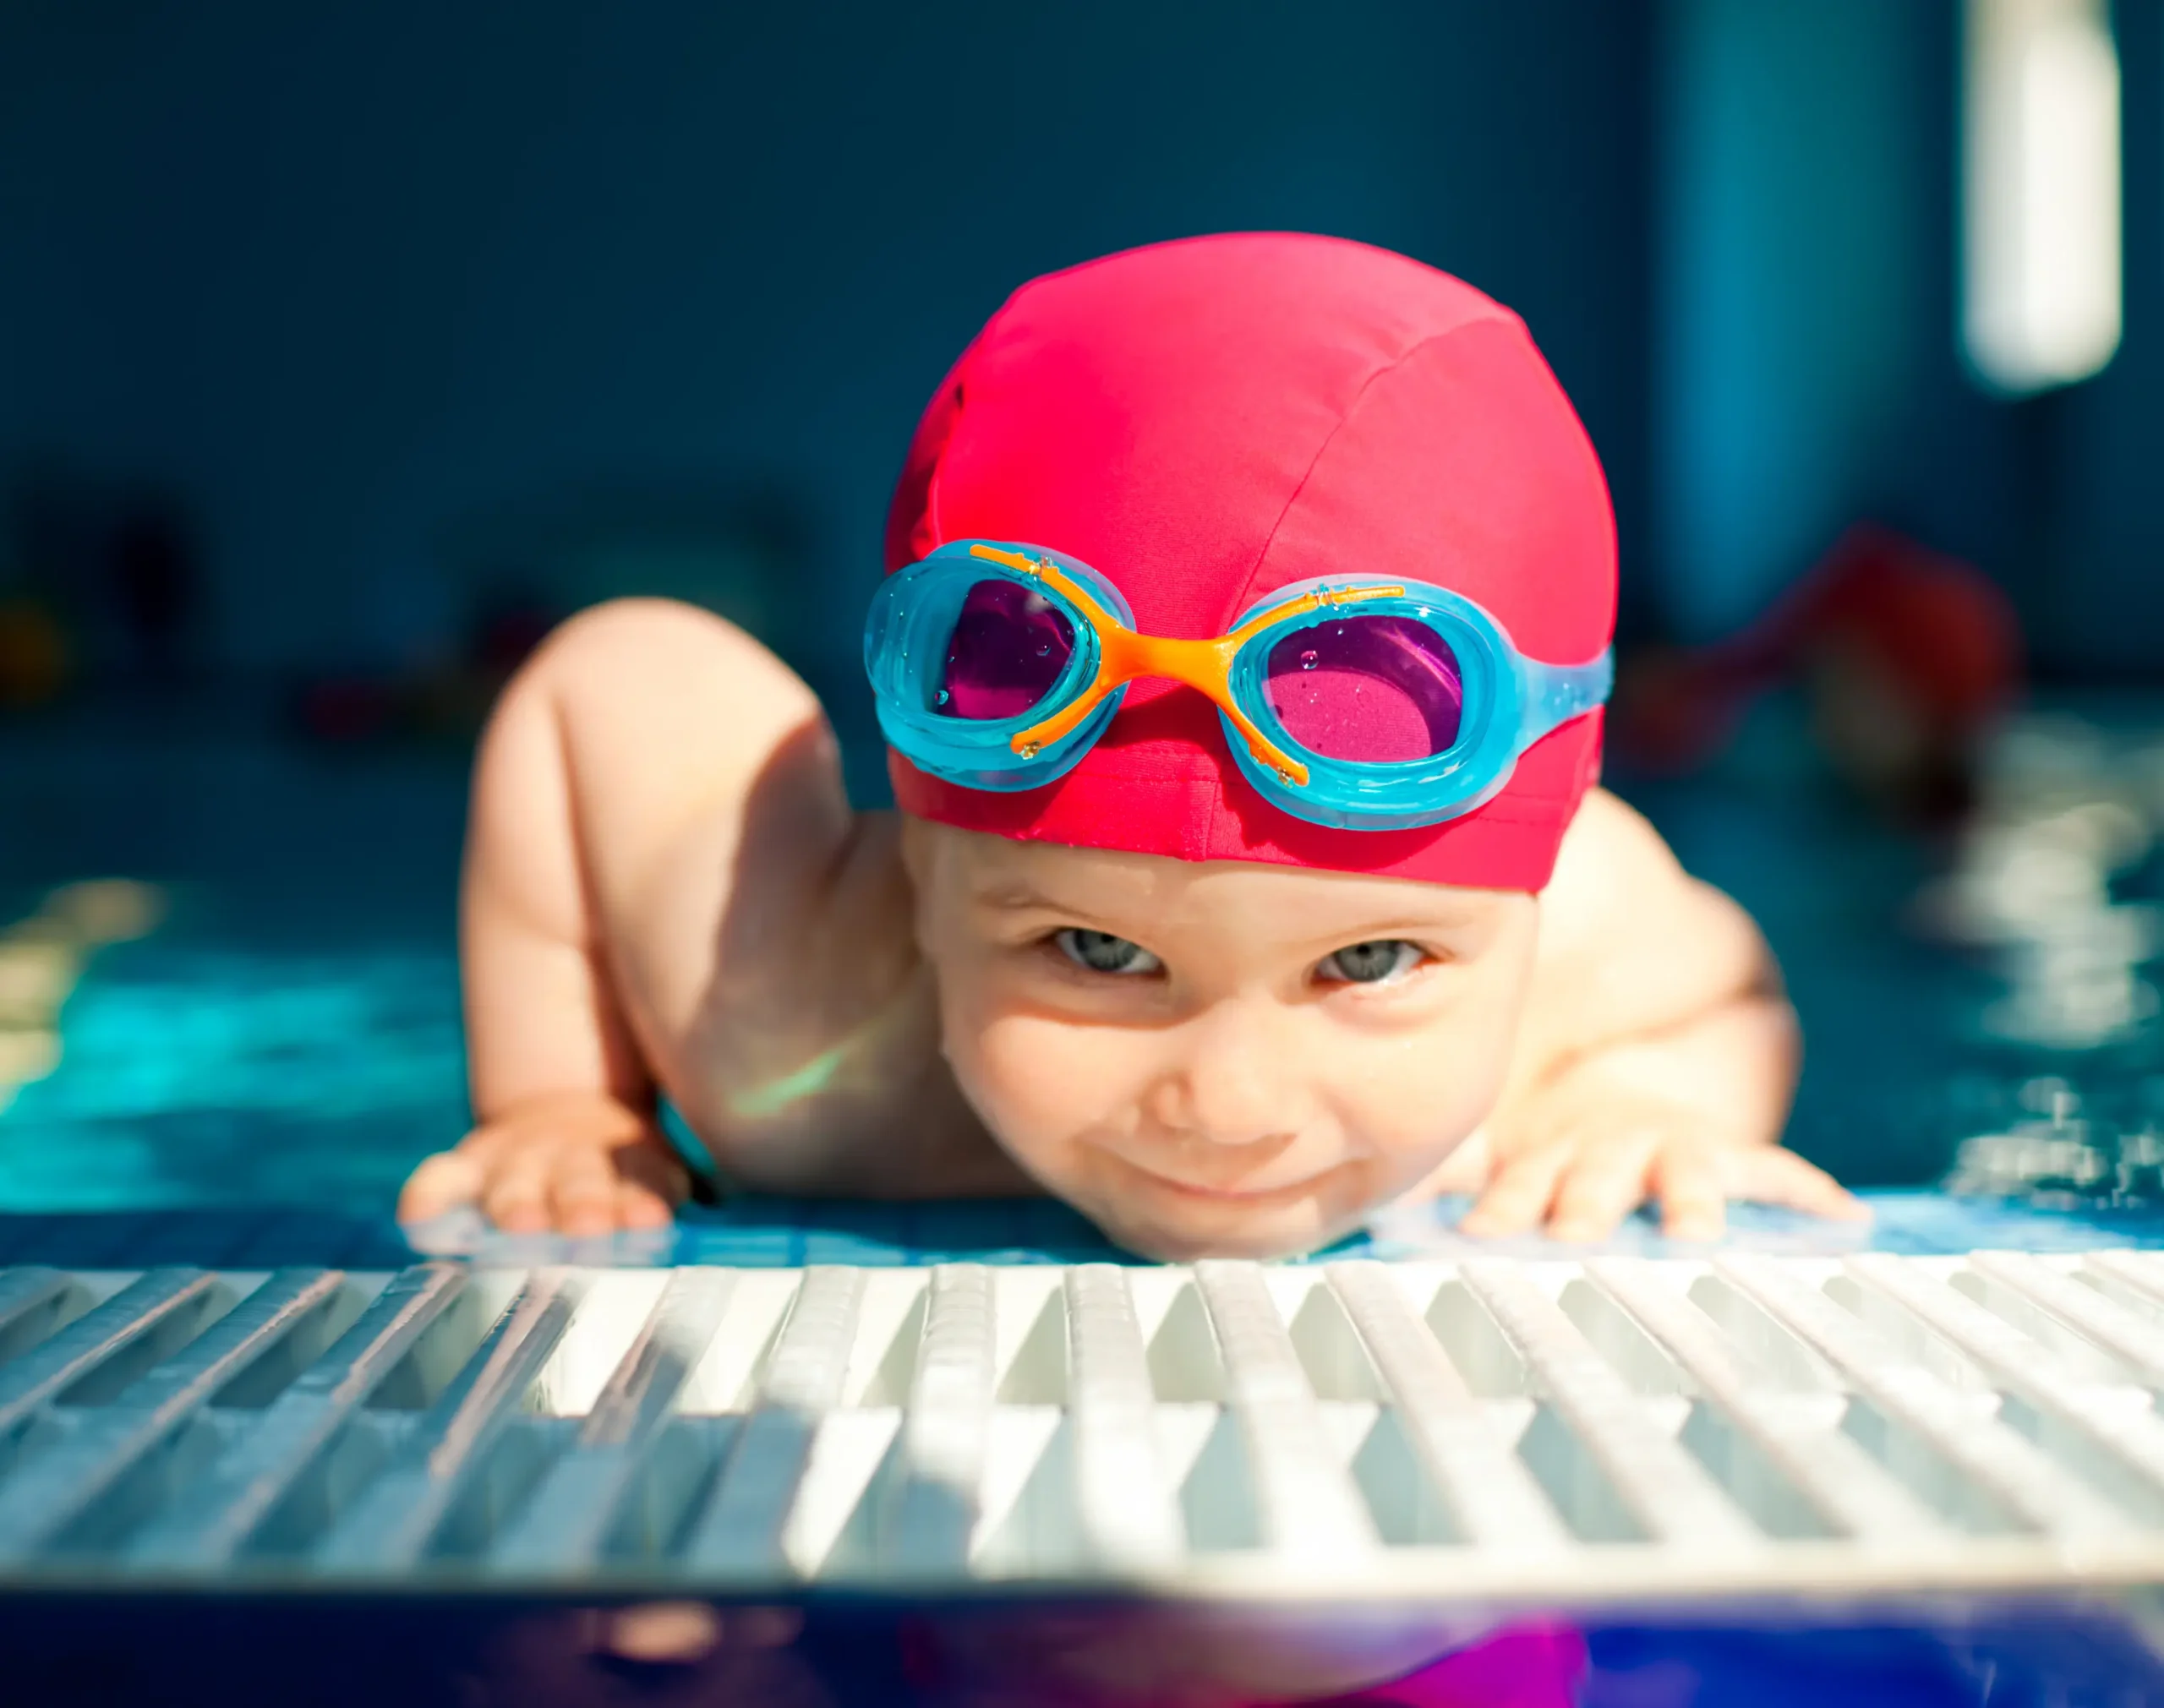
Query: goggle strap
[{"x": 1557, "y": 693}]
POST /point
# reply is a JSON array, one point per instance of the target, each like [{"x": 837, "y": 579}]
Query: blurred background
[{"x": 344, "y": 348}]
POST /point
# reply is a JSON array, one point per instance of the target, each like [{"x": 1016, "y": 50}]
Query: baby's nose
[{"x": 1237, "y": 1082}]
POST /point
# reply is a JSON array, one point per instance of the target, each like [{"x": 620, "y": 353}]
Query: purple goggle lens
[
  {"x": 1009, "y": 646},
  {"x": 1367, "y": 690}
]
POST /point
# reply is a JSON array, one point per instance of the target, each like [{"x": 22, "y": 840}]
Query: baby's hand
[
  {"x": 575, "y": 1162},
  {"x": 1581, "y": 1166}
]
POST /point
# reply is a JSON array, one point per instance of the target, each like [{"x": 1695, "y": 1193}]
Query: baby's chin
[
  {"x": 1186, "y": 1234},
  {"x": 1156, "y": 1218},
  {"x": 1161, "y": 1246}
]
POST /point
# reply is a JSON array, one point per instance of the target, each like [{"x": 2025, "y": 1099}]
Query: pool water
[
  {"x": 200, "y": 1068},
  {"x": 289, "y": 1034}
]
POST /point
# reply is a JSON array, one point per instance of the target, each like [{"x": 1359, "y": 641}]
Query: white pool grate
[{"x": 1622, "y": 1426}]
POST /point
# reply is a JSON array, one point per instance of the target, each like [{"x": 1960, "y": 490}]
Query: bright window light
[{"x": 2042, "y": 212}]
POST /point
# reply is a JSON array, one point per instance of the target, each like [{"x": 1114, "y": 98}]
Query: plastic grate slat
[
  {"x": 1125, "y": 1512},
  {"x": 108, "y": 1444},
  {"x": 566, "y": 1527},
  {"x": 2089, "y": 1311},
  {"x": 745, "y": 1530},
  {"x": 1490, "y": 1426},
  {"x": 402, "y": 1512},
  {"x": 931, "y": 1516},
  {"x": 153, "y": 1302},
  {"x": 24, "y": 1293},
  {"x": 1666, "y": 1491},
  {"x": 1305, "y": 1501},
  {"x": 1854, "y": 1494},
  {"x": 2010, "y": 1469},
  {"x": 217, "y": 1514},
  {"x": 1491, "y": 1497}
]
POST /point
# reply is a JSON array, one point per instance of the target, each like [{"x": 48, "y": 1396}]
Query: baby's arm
[
  {"x": 1658, "y": 1056},
  {"x": 666, "y": 892}
]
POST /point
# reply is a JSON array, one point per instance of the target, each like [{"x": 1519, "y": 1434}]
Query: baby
[{"x": 1241, "y": 665}]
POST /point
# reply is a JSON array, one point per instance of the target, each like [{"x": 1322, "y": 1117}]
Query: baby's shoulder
[
  {"x": 1615, "y": 877},
  {"x": 1610, "y": 848}
]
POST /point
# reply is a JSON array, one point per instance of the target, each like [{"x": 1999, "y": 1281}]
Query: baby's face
[{"x": 1220, "y": 1059}]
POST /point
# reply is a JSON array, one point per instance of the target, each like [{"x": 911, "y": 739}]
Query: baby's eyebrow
[
  {"x": 1017, "y": 896},
  {"x": 1383, "y": 931},
  {"x": 1013, "y": 896},
  {"x": 1384, "y": 927}
]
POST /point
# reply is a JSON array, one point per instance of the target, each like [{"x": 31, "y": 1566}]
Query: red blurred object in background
[
  {"x": 347, "y": 708},
  {"x": 504, "y": 639},
  {"x": 449, "y": 700},
  {"x": 1909, "y": 657}
]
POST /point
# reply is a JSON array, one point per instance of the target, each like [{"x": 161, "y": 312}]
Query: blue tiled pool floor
[
  {"x": 290, "y": 1036},
  {"x": 197, "y": 1071},
  {"x": 762, "y": 1233}
]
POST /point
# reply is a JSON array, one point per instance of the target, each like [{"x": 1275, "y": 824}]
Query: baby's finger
[
  {"x": 1467, "y": 1168},
  {"x": 639, "y": 1206},
  {"x": 442, "y": 1183},
  {"x": 583, "y": 1191},
  {"x": 1772, "y": 1176},
  {"x": 1519, "y": 1195},
  {"x": 517, "y": 1196},
  {"x": 1688, "y": 1181},
  {"x": 1603, "y": 1184}
]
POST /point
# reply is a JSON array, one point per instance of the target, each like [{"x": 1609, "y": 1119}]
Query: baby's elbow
[
  {"x": 1773, "y": 1022},
  {"x": 636, "y": 630},
  {"x": 588, "y": 647},
  {"x": 1734, "y": 958}
]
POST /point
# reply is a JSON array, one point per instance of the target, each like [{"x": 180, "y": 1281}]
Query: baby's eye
[
  {"x": 1100, "y": 951},
  {"x": 1376, "y": 962}
]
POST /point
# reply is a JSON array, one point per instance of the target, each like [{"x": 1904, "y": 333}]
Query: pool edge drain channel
[{"x": 1620, "y": 1427}]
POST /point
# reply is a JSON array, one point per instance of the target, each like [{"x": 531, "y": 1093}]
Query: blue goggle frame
[{"x": 1509, "y": 701}]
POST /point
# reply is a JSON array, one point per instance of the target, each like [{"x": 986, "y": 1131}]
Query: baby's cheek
[
  {"x": 1037, "y": 1082},
  {"x": 1418, "y": 1100}
]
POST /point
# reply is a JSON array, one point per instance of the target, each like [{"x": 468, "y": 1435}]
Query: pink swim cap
[{"x": 1206, "y": 421}]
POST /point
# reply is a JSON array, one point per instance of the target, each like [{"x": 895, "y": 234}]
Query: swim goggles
[{"x": 1351, "y": 700}]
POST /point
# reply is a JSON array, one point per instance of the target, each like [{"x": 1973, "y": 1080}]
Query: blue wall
[
  {"x": 352, "y": 276},
  {"x": 352, "y": 273},
  {"x": 1795, "y": 310},
  {"x": 2098, "y": 584},
  {"x": 1808, "y": 370}
]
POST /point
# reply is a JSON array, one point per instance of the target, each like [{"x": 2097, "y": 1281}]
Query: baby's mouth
[{"x": 1244, "y": 1193}]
